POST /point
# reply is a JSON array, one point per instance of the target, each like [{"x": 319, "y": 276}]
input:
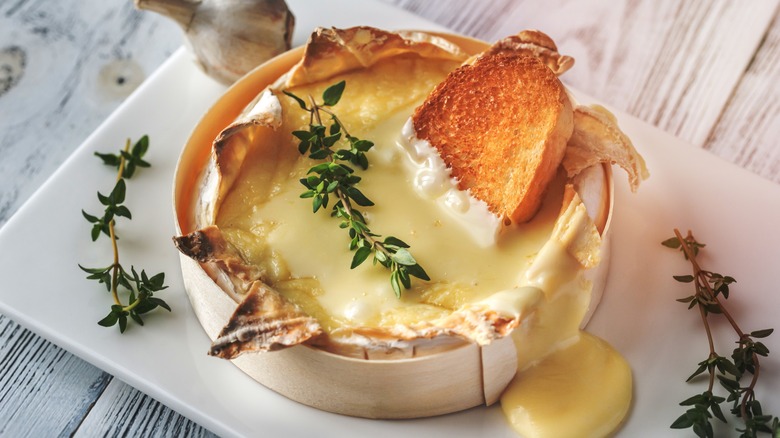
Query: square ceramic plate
[{"x": 734, "y": 212}]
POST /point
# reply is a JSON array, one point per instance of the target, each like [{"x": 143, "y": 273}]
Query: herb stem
[
  {"x": 316, "y": 110},
  {"x": 112, "y": 235},
  {"x": 702, "y": 280},
  {"x": 316, "y": 113},
  {"x": 115, "y": 266},
  {"x": 339, "y": 192},
  {"x": 746, "y": 356},
  {"x": 336, "y": 180},
  {"x": 368, "y": 236},
  {"x": 702, "y": 312},
  {"x": 711, "y": 342},
  {"x": 134, "y": 304},
  {"x": 122, "y": 161},
  {"x": 140, "y": 288},
  {"x": 336, "y": 119}
]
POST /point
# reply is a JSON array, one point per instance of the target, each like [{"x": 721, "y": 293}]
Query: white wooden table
[{"x": 704, "y": 70}]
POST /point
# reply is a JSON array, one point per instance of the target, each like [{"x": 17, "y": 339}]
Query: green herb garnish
[
  {"x": 710, "y": 286},
  {"x": 139, "y": 288},
  {"x": 334, "y": 179}
]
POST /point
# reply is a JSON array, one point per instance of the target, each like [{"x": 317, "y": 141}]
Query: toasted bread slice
[{"x": 501, "y": 124}]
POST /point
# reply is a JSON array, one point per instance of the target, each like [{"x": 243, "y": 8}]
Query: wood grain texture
[
  {"x": 46, "y": 391},
  {"x": 64, "y": 67},
  {"x": 80, "y": 63},
  {"x": 748, "y": 132},
  {"x": 673, "y": 64},
  {"x": 123, "y": 411}
]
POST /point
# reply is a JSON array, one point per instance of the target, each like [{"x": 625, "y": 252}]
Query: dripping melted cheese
[{"x": 569, "y": 383}]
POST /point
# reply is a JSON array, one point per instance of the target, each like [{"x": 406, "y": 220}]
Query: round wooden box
[{"x": 433, "y": 384}]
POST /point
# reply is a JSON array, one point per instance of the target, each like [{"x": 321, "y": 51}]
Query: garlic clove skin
[{"x": 229, "y": 37}]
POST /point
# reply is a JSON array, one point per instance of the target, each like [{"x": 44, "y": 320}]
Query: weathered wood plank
[
  {"x": 748, "y": 132},
  {"x": 75, "y": 58},
  {"x": 673, "y": 64},
  {"x": 123, "y": 411},
  {"x": 69, "y": 66},
  {"x": 46, "y": 391}
]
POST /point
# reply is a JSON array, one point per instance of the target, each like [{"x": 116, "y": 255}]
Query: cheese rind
[{"x": 361, "y": 385}]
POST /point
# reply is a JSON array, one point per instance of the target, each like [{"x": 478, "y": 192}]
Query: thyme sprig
[
  {"x": 711, "y": 289},
  {"x": 334, "y": 180},
  {"x": 140, "y": 289}
]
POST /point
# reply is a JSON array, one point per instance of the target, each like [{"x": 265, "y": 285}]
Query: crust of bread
[{"x": 507, "y": 157}]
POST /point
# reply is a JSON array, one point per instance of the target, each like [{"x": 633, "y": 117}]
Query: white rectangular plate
[{"x": 734, "y": 212}]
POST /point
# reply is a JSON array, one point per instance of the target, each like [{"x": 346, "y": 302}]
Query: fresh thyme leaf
[
  {"x": 392, "y": 241},
  {"x": 332, "y": 94},
  {"x": 334, "y": 180},
  {"x": 117, "y": 195},
  {"x": 687, "y": 299},
  {"x": 702, "y": 368},
  {"x": 359, "y": 198},
  {"x": 761, "y": 333},
  {"x": 300, "y": 101},
  {"x": 137, "y": 318},
  {"x": 105, "y": 200},
  {"x": 140, "y": 148},
  {"x": 417, "y": 271},
  {"x": 110, "y": 319},
  {"x": 403, "y": 257},
  {"x": 683, "y": 422},
  {"x": 128, "y": 159},
  {"x": 91, "y": 219},
  {"x": 671, "y": 242},
  {"x": 95, "y": 270},
  {"x": 139, "y": 289},
  {"x": 361, "y": 254},
  {"x": 394, "y": 282},
  {"x": 403, "y": 275},
  {"x": 109, "y": 159},
  {"x": 709, "y": 286},
  {"x": 122, "y": 322}
]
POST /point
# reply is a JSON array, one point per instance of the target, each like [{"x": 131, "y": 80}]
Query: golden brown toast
[{"x": 501, "y": 124}]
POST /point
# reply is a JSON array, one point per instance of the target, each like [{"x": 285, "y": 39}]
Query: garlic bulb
[{"x": 229, "y": 37}]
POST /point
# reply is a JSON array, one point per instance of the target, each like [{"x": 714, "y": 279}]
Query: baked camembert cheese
[{"x": 511, "y": 240}]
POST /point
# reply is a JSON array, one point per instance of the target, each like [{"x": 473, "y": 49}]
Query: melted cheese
[
  {"x": 312, "y": 246},
  {"x": 569, "y": 383},
  {"x": 272, "y": 227},
  {"x": 580, "y": 390},
  {"x": 307, "y": 259},
  {"x": 431, "y": 180}
]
